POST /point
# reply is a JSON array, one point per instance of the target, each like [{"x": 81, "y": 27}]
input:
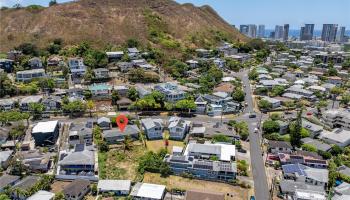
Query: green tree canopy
[
  {"x": 238, "y": 95},
  {"x": 271, "y": 126}
]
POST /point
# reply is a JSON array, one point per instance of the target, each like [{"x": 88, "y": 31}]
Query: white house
[
  {"x": 148, "y": 191},
  {"x": 153, "y": 128},
  {"x": 76, "y": 66},
  {"x": 118, "y": 187},
  {"x": 178, "y": 128},
  {"x": 28, "y": 75}
]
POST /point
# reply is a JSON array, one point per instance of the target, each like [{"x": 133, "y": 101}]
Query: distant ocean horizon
[{"x": 296, "y": 33}]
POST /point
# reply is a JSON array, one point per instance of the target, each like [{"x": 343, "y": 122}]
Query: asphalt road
[{"x": 257, "y": 162}]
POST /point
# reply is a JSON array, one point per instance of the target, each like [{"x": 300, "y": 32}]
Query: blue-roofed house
[
  {"x": 308, "y": 175},
  {"x": 100, "y": 91}
]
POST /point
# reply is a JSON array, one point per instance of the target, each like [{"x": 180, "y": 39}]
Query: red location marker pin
[{"x": 122, "y": 121}]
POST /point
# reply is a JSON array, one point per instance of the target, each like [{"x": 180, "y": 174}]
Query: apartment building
[{"x": 337, "y": 118}]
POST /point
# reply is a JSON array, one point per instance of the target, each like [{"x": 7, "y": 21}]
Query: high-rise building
[
  {"x": 272, "y": 35},
  {"x": 261, "y": 31},
  {"x": 244, "y": 29},
  {"x": 307, "y": 32},
  {"x": 341, "y": 35},
  {"x": 329, "y": 32},
  {"x": 248, "y": 30},
  {"x": 278, "y": 32},
  {"x": 285, "y": 32},
  {"x": 252, "y": 30}
]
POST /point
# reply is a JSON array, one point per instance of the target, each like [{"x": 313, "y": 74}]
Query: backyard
[{"x": 177, "y": 182}]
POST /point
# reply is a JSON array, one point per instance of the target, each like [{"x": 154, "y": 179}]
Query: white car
[{"x": 256, "y": 130}]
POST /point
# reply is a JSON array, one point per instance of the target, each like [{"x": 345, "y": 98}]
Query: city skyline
[{"x": 269, "y": 12}]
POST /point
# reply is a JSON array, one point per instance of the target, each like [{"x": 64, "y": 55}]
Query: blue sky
[{"x": 268, "y": 12}]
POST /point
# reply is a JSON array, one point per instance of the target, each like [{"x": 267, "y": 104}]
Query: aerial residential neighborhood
[{"x": 166, "y": 100}]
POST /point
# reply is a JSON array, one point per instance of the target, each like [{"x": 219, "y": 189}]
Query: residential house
[
  {"x": 153, "y": 128},
  {"x": 14, "y": 55},
  {"x": 133, "y": 53},
  {"x": 337, "y": 118},
  {"x": 203, "y": 53},
  {"x": 29, "y": 75},
  {"x": 279, "y": 147},
  {"x": 124, "y": 103},
  {"x": 35, "y": 160},
  {"x": 202, "y": 169},
  {"x": 45, "y": 133},
  {"x": 117, "y": 187},
  {"x": 7, "y": 104},
  {"x": 300, "y": 91},
  {"x": 124, "y": 66},
  {"x": 314, "y": 129},
  {"x": 148, "y": 191},
  {"x": 309, "y": 195},
  {"x": 35, "y": 63},
  {"x": 344, "y": 170},
  {"x": 5, "y": 157},
  {"x": 77, "y": 189},
  {"x": 284, "y": 127},
  {"x": 214, "y": 110},
  {"x": 115, "y": 135},
  {"x": 305, "y": 174},
  {"x": 77, "y": 66},
  {"x": 42, "y": 195},
  {"x": 220, "y": 63},
  {"x": 142, "y": 91},
  {"x": 54, "y": 61},
  {"x": 342, "y": 191},
  {"x": 196, "y": 194},
  {"x": 24, "y": 103},
  {"x": 100, "y": 91},
  {"x": 80, "y": 134},
  {"x": 197, "y": 130},
  {"x": 101, "y": 73},
  {"x": 7, "y": 65},
  {"x": 178, "y": 128},
  {"x": 316, "y": 143},
  {"x": 77, "y": 163},
  {"x": 302, "y": 159},
  {"x": 192, "y": 64},
  {"x": 289, "y": 187},
  {"x": 222, "y": 152},
  {"x": 114, "y": 55},
  {"x": 338, "y": 137},
  {"x": 8, "y": 180},
  {"x": 26, "y": 184},
  {"x": 104, "y": 123},
  {"x": 171, "y": 91},
  {"x": 335, "y": 80},
  {"x": 122, "y": 90},
  {"x": 201, "y": 105},
  {"x": 224, "y": 87},
  {"x": 52, "y": 103},
  {"x": 275, "y": 103}
]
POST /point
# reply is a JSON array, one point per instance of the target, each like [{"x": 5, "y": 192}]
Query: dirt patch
[{"x": 157, "y": 145}]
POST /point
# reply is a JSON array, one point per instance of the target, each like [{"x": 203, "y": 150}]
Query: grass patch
[
  {"x": 157, "y": 145},
  {"x": 117, "y": 164}
]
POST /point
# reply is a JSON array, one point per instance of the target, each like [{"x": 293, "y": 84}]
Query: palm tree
[{"x": 127, "y": 143}]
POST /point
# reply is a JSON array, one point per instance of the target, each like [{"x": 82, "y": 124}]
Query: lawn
[
  {"x": 157, "y": 145},
  {"x": 117, "y": 164},
  {"x": 177, "y": 182}
]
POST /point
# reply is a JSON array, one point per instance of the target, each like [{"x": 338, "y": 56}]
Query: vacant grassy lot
[
  {"x": 177, "y": 182},
  {"x": 157, "y": 145},
  {"x": 117, "y": 164}
]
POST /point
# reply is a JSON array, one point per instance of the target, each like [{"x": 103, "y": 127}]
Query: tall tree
[
  {"x": 115, "y": 97},
  {"x": 36, "y": 110},
  {"x": 90, "y": 106},
  {"x": 295, "y": 131}
]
